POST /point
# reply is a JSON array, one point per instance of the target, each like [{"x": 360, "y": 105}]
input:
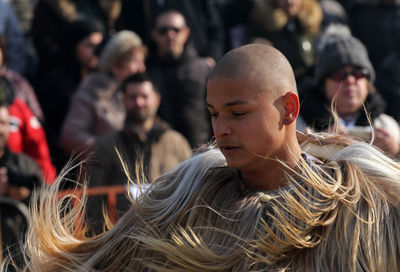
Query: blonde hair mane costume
[{"x": 338, "y": 214}]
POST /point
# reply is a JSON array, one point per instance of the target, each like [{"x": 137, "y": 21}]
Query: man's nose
[
  {"x": 221, "y": 127},
  {"x": 140, "y": 102}
]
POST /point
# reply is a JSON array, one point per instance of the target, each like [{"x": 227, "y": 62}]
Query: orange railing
[{"x": 110, "y": 192}]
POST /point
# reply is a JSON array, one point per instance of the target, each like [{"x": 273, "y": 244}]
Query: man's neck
[
  {"x": 144, "y": 127},
  {"x": 271, "y": 174}
]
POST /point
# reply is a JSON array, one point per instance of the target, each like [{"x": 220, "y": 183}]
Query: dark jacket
[
  {"x": 22, "y": 171},
  {"x": 388, "y": 84},
  {"x": 182, "y": 84},
  {"x": 56, "y": 91},
  {"x": 315, "y": 109},
  {"x": 50, "y": 20}
]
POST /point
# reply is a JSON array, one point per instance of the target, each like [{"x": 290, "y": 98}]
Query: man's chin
[{"x": 139, "y": 118}]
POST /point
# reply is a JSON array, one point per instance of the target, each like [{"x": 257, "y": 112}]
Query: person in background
[
  {"x": 96, "y": 107},
  {"x": 344, "y": 77},
  {"x": 81, "y": 42},
  {"x": 19, "y": 176},
  {"x": 291, "y": 27},
  {"x": 50, "y": 19},
  {"x": 26, "y": 133},
  {"x": 144, "y": 138},
  {"x": 202, "y": 17},
  {"x": 15, "y": 55},
  {"x": 23, "y": 89},
  {"x": 180, "y": 75},
  {"x": 104, "y": 12}
]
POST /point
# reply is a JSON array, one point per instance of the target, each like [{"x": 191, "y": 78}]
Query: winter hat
[
  {"x": 338, "y": 51},
  {"x": 116, "y": 47}
]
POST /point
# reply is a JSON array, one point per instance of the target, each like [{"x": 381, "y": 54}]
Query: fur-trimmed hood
[
  {"x": 273, "y": 19},
  {"x": 68, "y": 9}
]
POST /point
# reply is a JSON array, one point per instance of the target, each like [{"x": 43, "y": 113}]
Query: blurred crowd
[{"x": 88, "y": 77}]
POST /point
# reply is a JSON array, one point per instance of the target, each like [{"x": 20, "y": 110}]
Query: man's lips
[{"x": 227, "y": 147}]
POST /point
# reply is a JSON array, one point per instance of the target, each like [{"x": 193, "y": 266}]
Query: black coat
[
  {"x": 182, "y": 84},
  {"x": 22, "y": 171},
  {"x": 315, "y": 109}
]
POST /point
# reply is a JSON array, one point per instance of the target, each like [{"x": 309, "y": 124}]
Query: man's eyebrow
[
  {"x": 230, "y": 104},
  {"x": 236, "y": 102}
]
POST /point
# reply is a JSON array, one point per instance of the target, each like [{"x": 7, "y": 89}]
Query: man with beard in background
[{"x": 145, "y": 138}]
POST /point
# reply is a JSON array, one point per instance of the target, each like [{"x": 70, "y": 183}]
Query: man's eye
[
  {"x": 213, "y": 114},
  {"x": 239, "y": 114}
]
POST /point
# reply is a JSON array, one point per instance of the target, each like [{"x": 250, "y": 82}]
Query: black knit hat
[{"x": 338, "y": 51}]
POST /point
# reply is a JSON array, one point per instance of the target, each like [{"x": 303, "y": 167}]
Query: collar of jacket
[{"x": 132, "y": 130}]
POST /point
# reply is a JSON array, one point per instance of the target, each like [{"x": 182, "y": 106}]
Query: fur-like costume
[{"x": 340, "y": 211}]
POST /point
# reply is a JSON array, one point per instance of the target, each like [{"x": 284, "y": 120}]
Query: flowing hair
[{"x": 339, "y": 211}]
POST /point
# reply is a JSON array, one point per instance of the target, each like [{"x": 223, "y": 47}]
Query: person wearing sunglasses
[
  {"x": 181, "y": 76},
  {"x": 344, "y": 78}
]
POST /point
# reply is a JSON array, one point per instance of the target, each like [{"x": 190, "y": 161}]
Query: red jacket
[{"x": 28, "y": 136}]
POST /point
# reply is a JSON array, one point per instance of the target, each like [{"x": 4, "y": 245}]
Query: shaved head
[
  {"x": 264, "y": 66},
  {"x": 253, "y": 102}
]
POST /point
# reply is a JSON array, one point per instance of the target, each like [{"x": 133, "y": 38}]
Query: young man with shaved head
[
  {"x": 249, "y": 101},
  {"x": 262, "y": 199}
]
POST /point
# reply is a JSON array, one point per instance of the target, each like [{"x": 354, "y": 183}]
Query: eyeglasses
[
  {"x": 342, "y": 75},
  {"x": 165, "y": 29}
]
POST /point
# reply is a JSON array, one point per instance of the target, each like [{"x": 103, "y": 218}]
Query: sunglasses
[
  {"x": 342, "y": 75},
  {"x": 165, "y": 29}
]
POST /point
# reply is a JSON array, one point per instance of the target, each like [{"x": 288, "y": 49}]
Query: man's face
[
  {"x": 4, "y": 127},
  {"x": 170, "y": 35},
  {"x": 132, "y": 63},
  {"x": 141, "y": 101},
  {"x": 349, "y": 87},
  {"x": 246, "y": 122},
  {"x": 85, "y": 50}
]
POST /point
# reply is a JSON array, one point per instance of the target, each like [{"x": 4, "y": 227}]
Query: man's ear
[
  {"x": 291, "y": 106},
  {"x": 186, "y": 32},
  {"x": 158, "y": 99}
]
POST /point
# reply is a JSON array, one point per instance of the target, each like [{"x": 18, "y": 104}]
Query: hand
[
  {"x": 3, "y": 181},
  {"x": 385, "y": 141},
  {"x": 210, "y": 61}
]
